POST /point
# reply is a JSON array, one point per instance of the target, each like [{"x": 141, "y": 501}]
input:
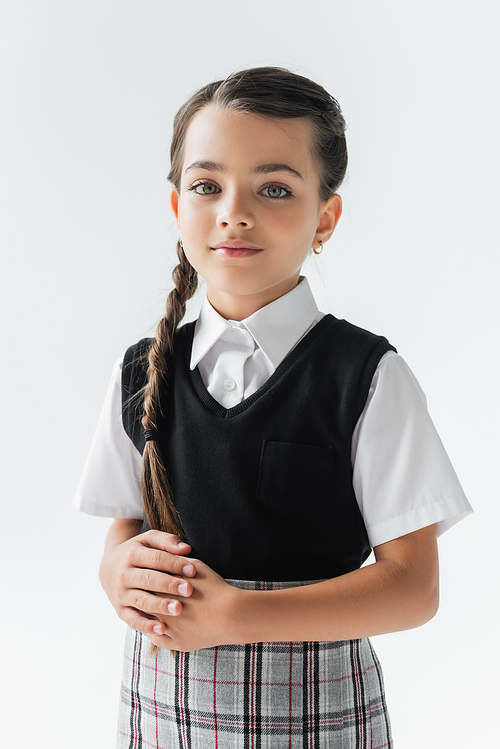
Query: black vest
[{"x": 264, "y": 489}]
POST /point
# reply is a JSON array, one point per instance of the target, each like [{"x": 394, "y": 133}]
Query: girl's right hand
[{"x": 140, "y": 573}]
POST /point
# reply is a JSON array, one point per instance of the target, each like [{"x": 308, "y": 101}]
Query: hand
[
  {"x": 145, "y": 576},
  {"x": 208, "y": 617}
]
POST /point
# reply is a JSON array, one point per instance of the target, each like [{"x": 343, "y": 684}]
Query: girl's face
[{"x": 248, "y": 208}]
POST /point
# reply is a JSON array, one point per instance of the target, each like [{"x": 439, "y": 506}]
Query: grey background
[{"x": 88, "y": 94}]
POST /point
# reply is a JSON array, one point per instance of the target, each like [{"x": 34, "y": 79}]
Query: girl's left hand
[{"x": 208, "y": 616}]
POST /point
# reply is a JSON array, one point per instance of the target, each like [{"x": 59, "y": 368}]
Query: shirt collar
[{"x": 276, "y": 328}]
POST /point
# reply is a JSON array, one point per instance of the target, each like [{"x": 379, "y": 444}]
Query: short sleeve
[
  {"x": 111, "y": 481},
  {"x": 402, "y": 476}
]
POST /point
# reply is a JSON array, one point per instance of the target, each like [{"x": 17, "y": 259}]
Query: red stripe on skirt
[
  {"x": 136, "y": 679},
  {"x": 154, "y": 698}
]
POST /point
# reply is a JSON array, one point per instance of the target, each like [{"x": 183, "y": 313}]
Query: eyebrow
[{"x": 213, "y": 166}]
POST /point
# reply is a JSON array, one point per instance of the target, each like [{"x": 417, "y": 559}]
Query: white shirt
[
  {"x": 236, "y": 358},
  {"x": 402, "y": 476}
]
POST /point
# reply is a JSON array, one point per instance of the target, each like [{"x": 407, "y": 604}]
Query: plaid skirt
[{"x": 267, "y": 695}]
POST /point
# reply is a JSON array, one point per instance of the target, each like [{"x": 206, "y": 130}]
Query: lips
[
  {"x": 236, "y": 248},
  {"x": 235, "y": 244}
]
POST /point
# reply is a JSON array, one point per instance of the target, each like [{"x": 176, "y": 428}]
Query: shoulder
[
  {"x": 134, "y": 368},
  {"x": 136, "y": 362},
  {"x": 349, "y": 346},
  {"x": 352, "y": 337},
  {"x": 136, "y": 353},
  {"x": 136, "y": 356},
  {"x": 394, "y": 388},
  {"x": 352, "y": 354}
]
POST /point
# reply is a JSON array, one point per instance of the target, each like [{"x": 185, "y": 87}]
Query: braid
[{"x": 156, "y": 495}]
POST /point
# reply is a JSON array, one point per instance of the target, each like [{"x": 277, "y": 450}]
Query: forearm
[
  {"x": 372, "y": 600},
  {"x": 121, "y": 530},
  {"x": 400, "y": 591}
]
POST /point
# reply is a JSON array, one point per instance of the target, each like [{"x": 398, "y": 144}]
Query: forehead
[{"x": 243, "y": 140}]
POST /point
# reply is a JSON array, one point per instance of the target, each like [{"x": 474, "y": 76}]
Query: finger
[
  {"x": 165, "y": 541},
  {"x": 142, "y": 622},
  {"x": 151, "y": 558},
  {"x": 155, "y": 606},
  {"x": 159, "y": 582},
  {"x": 161, "y": 641}
]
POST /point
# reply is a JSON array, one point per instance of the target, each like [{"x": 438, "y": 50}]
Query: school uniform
[{"x": 314, "y": 398}]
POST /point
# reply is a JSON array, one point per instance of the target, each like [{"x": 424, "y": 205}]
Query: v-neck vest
[{"x": 264, "y": 489}]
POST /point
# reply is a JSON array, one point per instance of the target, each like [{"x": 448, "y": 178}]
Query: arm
[
  {"x": 399, "y": 591},
  {"x": 140, "y": 572}
]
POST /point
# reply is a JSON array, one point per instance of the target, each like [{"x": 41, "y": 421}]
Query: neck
[{"x": 239, "y": 307}]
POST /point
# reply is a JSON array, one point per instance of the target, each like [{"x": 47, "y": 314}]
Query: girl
[{"x": 277, "y": 446}]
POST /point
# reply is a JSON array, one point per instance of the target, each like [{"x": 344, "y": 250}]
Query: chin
[{"x": 237, "y": 284}]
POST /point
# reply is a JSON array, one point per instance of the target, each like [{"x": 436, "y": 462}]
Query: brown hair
[{"x": 273, "y": 92}]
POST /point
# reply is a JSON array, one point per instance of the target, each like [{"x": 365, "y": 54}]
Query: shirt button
[{"x": 229, "y": 384}]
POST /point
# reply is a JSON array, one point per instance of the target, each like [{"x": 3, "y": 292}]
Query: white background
[{"x": 88, "y": 93}]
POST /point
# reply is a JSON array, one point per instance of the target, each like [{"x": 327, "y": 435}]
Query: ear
[
  {"x": 329, "y": 218},
  {"x": 174, "y": 202}
]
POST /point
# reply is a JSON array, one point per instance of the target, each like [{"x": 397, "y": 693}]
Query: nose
[{"x": 235, "y": 211}]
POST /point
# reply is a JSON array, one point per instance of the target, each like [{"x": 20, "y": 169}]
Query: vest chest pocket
[{"x": 293, "y": 478}]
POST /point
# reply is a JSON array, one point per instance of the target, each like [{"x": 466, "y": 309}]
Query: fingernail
[
  {"x": 183, "y": 589},
  {"x": 188, "y": 569},
  {"x": 181, "y": 543},
  {"x": 158, "y": 629},
  {"x": 172, "y": 607}
]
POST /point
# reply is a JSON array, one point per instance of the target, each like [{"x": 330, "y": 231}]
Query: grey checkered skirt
[{"x": 267, "y": 695}]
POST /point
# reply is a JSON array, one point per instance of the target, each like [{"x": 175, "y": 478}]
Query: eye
[
  {"x": 276, "y": 191},
  {"x": 207, "y": 188}
]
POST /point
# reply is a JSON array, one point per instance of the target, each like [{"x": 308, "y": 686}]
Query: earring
[
  {"x": 180, "y": 244},
  {"x": 318, "y": 252}
]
